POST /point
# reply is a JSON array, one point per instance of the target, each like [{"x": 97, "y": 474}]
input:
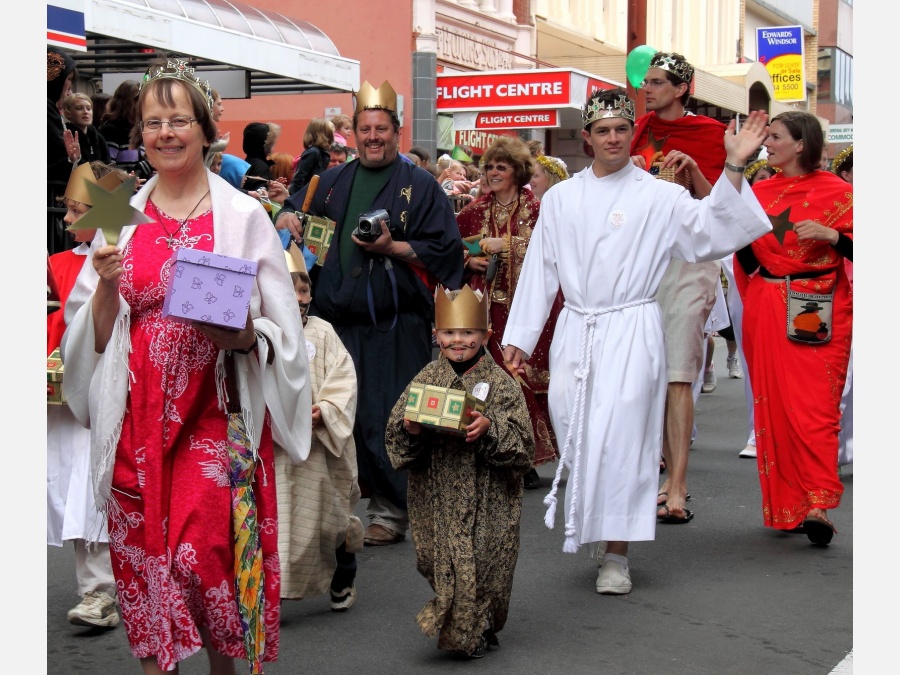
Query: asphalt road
[{"x": 719, "y": 595}]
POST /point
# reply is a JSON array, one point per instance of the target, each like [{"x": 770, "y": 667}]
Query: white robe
[
  {"x": 96, "y": 385},
  {"x": 606, "y": 242}
]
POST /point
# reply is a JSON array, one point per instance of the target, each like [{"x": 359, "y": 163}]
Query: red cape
[{"x": 700, "y": 137}]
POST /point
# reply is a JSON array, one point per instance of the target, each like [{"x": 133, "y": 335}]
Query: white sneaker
[
  {"x": 749, "y": 451},
  {"x": 613, "y": 579},
  {"x": 735, "y": 372},
  {"x": 97, "y": 608},
  {"x": 341, "y": 602},
  {"x": 709, "y": 380}
]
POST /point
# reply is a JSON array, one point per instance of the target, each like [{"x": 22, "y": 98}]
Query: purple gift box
[{"x": 209, "y": 288}]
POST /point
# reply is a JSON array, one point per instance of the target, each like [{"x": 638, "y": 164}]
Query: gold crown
[
  {"x": 553, "y": 165},
  {"x": 469, "y": 309},
  {"x": 82, "y": 174},
  {"x": 595, "y": 110},
  {"x": 293, "y": 256},
  {"x": 839, "y": 159},
  {"x": 178, "y": 69},
  {"x": 751, "y": 170},
  {"x": 383, "y": 98},
  {"x": 675, "y": 64}
]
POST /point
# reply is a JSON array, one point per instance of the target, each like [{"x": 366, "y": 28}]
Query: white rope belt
[{"x": 581, "y": 376}]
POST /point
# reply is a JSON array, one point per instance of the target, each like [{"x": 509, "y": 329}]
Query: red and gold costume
[
  {"x": 488, "y": 218},
  {"x": 797, "y": 387},
  {"x": 654, "y": 138}
]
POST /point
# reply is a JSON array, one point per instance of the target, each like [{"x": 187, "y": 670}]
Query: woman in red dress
[
  {"x": 503, "y": 221},
  {"x": 797, "y": 381},
  {"x": 162, "y": 447}
]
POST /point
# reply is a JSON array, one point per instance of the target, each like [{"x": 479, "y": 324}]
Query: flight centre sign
[
  {"x": 780, "y": 50},
  {"x": 517, "y": 99}
]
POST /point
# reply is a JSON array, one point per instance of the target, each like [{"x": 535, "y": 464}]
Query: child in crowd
[
  {"x": 215, "y": 163},
  {"x": 318, "y": 535},
  {"x": 465, "y": 492},
  {"x": 71, "y": 513}
]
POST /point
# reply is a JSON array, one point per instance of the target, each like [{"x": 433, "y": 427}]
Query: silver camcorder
[{"x": 369, "y": 228}]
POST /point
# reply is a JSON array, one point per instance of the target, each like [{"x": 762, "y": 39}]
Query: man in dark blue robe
[{"x": 378, "y": 294}]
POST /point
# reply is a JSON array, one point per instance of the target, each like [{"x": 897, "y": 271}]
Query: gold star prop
[
  {"x": 781, "y": 224},
  {"x": 111, "y": 211}
]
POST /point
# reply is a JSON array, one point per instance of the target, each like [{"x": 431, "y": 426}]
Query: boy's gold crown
[
  {"x": 369, "y": 98},
  {"x": 76, "y": 189},
  {"x": 469, "y": 309}
]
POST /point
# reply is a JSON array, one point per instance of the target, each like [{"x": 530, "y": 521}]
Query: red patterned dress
[
  {"x": 489, "y": 219},
  {"x": 170, "y": 525},
  {"x": 797, "y": 387}
]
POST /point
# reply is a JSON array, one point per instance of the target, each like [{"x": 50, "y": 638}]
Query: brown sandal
[{"x": 819, "y": 530}]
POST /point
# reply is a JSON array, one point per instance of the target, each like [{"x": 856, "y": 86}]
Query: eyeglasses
[
  {"x": 502, "y": 168},
  {"x": 653, "y": 84},
  {"x": 175, "y": 124}
]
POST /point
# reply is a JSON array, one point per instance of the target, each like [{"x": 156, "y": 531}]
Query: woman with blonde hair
[
  {"x": 317, "y": 141},
  {"x": 78, "y": 111}
]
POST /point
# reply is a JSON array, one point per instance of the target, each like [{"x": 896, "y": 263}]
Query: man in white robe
[{"x": 606, "y": 237}]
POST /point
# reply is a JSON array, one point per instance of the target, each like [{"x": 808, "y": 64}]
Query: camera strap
[{"x": 389, "y": 267}]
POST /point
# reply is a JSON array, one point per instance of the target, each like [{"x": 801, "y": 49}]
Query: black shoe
[
  {"x": 532, "y": 480},
  {"x": 476, "y": 653}
]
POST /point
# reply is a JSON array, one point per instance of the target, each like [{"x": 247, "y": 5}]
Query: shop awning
[{"x": 281, "y": 55}]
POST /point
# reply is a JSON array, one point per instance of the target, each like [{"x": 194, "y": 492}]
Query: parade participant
[
  {"x": 504, "y": 222},
  {"x": 378, "y": 294},
  {"x": 465, "y": 492},
  {"x": 843, "y": 166},
  {"x": 688, "y": 290},
  {"x": 548, "y": 171},
  {"x": 183, "y": 414},
  {"x": 318, "y": 535},
  {"x": 797, "y": 408},
  {"x": 71, "y": 514},
  {"x": 607, "y": 357}
]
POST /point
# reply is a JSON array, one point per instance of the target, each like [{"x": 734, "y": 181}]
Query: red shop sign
[{"x": 516, "y": 90}]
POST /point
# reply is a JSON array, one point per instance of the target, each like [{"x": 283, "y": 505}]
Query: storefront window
[{"x": 835, "y": 78}]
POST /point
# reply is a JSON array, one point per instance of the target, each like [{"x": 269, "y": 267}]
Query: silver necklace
[{"x": 170, "y": 236}]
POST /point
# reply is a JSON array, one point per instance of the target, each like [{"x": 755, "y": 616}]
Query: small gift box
[
  {"x": 55, "y": 379},
  {"x": 317, "y": 234},
  {"x": 209, "y": 288},
  {"x": 447, "y": 410}
]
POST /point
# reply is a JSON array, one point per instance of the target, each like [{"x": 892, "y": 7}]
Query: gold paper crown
[
  {"x": 595, "y": 110},
  {"x": 76, "y": 189},
  {"x": 469, "y": 309},
  {"x": 751, "y": 170},
  {"x": 178, "y": 69},
  {"x": 840, "y": 158},
  {"x": 553, "y": 165},
  {"x": 294, "y": 258},
  {"x": 675, "y": 64},
  {"x": 383, "y": 98}
]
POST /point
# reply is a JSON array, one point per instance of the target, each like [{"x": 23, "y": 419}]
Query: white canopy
[{"x": 282, "y": 55}]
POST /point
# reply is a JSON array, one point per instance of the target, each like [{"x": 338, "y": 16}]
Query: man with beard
[{"x": 378, "y": 294}]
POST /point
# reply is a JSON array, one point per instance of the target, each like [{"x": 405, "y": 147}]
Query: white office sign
[{"x": 840, "y": 133}]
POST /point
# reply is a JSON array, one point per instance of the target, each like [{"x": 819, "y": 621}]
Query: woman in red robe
[
  {"x": 797, "y": 382},
  {"x": 502, "y": 221}
]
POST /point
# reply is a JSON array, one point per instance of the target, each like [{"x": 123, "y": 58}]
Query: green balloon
[{"x": 637, "y": 64}]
